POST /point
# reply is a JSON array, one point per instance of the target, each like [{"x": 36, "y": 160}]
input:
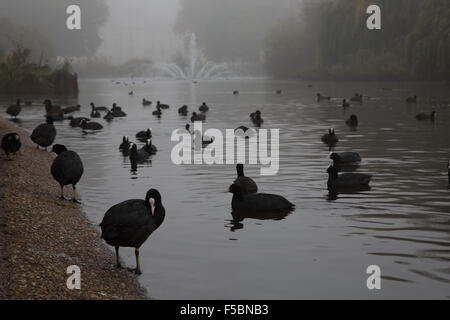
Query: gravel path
[{"x": 41, "y": 235}]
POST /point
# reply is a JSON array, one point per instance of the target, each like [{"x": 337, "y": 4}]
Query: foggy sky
[{"x": 140, "y": 29}]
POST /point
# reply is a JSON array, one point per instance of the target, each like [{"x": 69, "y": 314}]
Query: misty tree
[{"x": 48, "y": 17}]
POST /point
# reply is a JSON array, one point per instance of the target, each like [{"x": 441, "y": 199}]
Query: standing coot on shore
[
  {"x": 67, "y": 168},
  {"x": 258, "y": 202},
  {"x": 14, "y": 109},
  {"x": 44, "y": 134},
  {"x": 248, "y": 186},
  {"x": 11, "y": 144},
  {"x": 130, "y": 223}
]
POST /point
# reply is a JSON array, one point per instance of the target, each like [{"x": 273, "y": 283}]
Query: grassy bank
[
  {"x": 41, "y": 235},
  {"x": 18, "y": 76}
]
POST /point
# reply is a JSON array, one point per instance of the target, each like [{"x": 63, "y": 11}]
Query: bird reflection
[
  {"x": 333, "y": 193},
  {"x": 239, "y": 216}
]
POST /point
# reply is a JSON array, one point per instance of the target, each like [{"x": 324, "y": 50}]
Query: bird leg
[
  {"x": 137, "y": 270},
  {"x": 62, "y": 193},
  {"x": 117, "y": 258},
  {"x": 75, "y": 195}
]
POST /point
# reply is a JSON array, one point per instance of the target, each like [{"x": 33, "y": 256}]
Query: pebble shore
[{"x": 41, "y": 235}]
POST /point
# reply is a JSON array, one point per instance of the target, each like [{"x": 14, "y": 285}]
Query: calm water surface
[{"x": 323, "y": 248}]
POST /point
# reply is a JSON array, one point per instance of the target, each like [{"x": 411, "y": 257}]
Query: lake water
[{"x": 323, "y": 248}]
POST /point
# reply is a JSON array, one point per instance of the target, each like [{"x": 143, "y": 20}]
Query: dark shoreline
[{"x": 41, "y": 235}]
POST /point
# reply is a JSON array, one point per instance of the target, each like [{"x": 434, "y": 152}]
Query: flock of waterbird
[{"x": 130, "y": 223}]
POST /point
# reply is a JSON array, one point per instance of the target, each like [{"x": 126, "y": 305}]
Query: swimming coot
[
  {"x": 157, "y": 112},
  {"x": 102, "y": 108},
  {"x": 125, "y": 145},
  {"x": 161, "y": 105},
  {"x": 256, "y": 118},
  {"x": 279, "y": 92},
  {"x": 146, "y": 102},
  {"x": 117, "y": 111},
  {"x": 76, "y": 122},
  {"x": 109, "y": 116},
  {"x": 235, "y": 92},
  {"x": 67, "y": 168},
  {"x": 203, "y": 107},
  {"x": 411, "y": 99},
  {"x": 91, "y": 125},
  {"x": 321, "y": 97},
  {"x": 258, "y": 202},
  {"x": 357, "y": 98},
  {"x": 94, "y": 113},
  {"x": 197, "y": 117},
  {"x": 345, "y": 104},
  {"x": 149, "y": 147},
  {"x": 44, "y": 134},
  {"x": 11, "y": 144},
  {"x": 352, "y": 121},
  {"x": 424, "y": 116},
  {"x": 144, "y": 135},
  {"x": 138, "y": 156},
  {"x": 247, "y": 185},
  {"x": 130, "y": 223},
  {"x": 53, "y": 111},
  {"x": 183, "y": 110},
  {"x": 14, "y": 109},
  {"x": 330, "y": 138},
  {"x": 346, "y": 180}
]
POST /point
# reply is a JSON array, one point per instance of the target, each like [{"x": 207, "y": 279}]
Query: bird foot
[{"x": 135, "y": 270}]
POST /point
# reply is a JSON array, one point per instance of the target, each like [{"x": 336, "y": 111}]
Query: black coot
[
  {"x": 14, "y": 109},
  {"x": 256, "y": 118},
  {"x": 345, "y": 157},
  {"x": 197, "y": 117},
  {"x": 424, "y": 116},
  {"x": 76, "y": 122},
  {"x": 411, "y": 99},
  {"x": 109, "y": 116},
  {"x": 91, "y": 125},
  {"x": 235, "y": 92},
  {"x": 102, "y": 108},
  {"x": 11, "y": 144},
  {"x": 258, "y": 202},
  {"x": 203, "y": 107},
  {"x": 94, "y": 113},
  {"x": 138, "y": 156},
  {"x": 125, "y": 145},
  {"x": 330, "y": 138},
  {"x": 247, "y": 185},
  {"x": 357, "y": 98},
  {"x": 117, "y": 111},
  {"x": 162, "y": 105},
  {"x": 67, "y": 168},
  {"x": 130, "y": 223},
  {"x": 149, "y": 147},
  {"x": 157, "y": 112},
  {"x": 44, "y": 134},
  {"x": 345, "y": 104},
  {"x": 346, "y": 180},
  {"x": 144, "y": 135},
  {"x": 183, "y": 110},
  {"x": 146, "y": 102},
  {"x": 352, "y": 121},
  {"x": 53, "y": 111},
  {"x": 321, "y": 97}
]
